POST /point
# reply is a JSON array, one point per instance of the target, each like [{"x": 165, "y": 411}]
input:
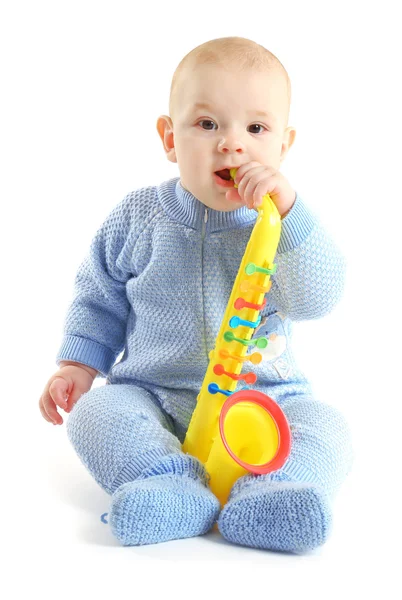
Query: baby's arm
[
  {"x": 95, "y": 326},
  {"x": 311, "y": 270}
]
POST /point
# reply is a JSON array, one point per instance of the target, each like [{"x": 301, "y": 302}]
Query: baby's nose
[{"x": 231, "y": 145}]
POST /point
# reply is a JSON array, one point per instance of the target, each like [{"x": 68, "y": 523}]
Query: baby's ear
[
  {"x": 288, "y": 140},
  {"x": 164, "y": 126}
]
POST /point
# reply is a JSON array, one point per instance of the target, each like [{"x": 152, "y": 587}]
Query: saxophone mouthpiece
[{"x": 233, "y": 175}]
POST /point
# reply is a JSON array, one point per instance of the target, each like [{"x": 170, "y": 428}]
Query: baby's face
[{"x": 224, "y": 119}]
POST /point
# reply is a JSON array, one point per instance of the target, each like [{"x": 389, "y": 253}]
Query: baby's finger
[
  {"x": 74, "y": 396},
  {"x": 262, "y": 188},
  {"x": 44, "y": 413},
  {"x": 233, "y": 195},
  {"x": 58, "y": 391},
  {"x": 241, "y": 171},
  {"x": 50, "y": 409},
  {"x": 248, "y": 183},
  {"x": 257, "y": 187}
]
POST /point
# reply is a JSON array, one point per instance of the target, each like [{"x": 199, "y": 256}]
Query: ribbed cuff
[
  {"x": 296, "y": 226},
  {"x": 134, "y": 468},
  {"x": 87, "y": 352},
  {"x": 177, "y": 463},
  {"x": 291, "y": 471},
  {"x": 298, "y": 472}
]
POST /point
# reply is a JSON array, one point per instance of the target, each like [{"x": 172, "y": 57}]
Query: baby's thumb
[
  {"x": 75, "y": 395},
  {"x": 233, "y": 195},
  {"x": 59, "y": 390}
]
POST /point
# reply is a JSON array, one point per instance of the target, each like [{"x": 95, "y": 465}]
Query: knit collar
[{"x": 182, "y": 206}]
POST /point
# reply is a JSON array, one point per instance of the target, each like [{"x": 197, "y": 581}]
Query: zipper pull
[{"x": 206, "y": 215}]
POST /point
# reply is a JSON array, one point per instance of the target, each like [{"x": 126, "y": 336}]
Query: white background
[{"x": 82, "y": 86}]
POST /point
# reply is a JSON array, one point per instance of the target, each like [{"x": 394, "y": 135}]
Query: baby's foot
[
  {"x": 276, "y": 515},
  {"x": 162, "y": 508}
]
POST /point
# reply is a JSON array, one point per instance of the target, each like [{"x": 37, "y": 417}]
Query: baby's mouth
[
  {"x": 223, "y": 178},
  {"x": 224, "y": 174}
]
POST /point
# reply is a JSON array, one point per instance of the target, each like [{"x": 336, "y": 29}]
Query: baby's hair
[{"x": 238, "y": 52}]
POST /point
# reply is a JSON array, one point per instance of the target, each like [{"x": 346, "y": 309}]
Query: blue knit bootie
[
  {"x": 168, "y": 501},
  {"x": 276, "y": 515}
]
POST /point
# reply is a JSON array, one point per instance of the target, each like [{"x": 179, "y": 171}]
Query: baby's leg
[
  {"x": 290, "y": 509},
  {"x": 127, "y": 443}
]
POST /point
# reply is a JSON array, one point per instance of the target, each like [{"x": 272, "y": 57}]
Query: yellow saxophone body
[{"x": 234, "y": 433}]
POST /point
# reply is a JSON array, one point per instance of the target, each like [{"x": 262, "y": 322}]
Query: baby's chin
[
  {"x": 223, "y": 205},
  {"x": 218, "y": 201},
  {"x": 229, "y": 205},
  {"x": 232, "y": 206}
]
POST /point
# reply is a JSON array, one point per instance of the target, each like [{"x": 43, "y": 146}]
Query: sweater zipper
[{"x": 204, "y": 224}]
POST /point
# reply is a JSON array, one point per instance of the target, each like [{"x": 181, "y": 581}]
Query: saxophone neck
[{"x": 267, "y": 210}]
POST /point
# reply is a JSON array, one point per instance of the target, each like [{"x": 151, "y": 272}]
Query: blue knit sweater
[{"x": 156, "y": 283}]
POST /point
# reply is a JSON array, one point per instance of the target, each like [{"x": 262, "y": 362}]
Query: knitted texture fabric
[
  {"x": 321, "y": 451},
  {"x": 277, "y": 515},
  {"x": 157, "y": 280},
  {"x": 169, "y": 500},
  {"x": 118, "y": 431},
  {"x": 154, "y": 287}
]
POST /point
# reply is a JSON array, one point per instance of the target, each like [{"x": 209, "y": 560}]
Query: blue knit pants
[{"x": 129, "y": 445}]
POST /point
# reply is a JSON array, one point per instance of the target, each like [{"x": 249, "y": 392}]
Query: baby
[{"x": 156, "y": 283}]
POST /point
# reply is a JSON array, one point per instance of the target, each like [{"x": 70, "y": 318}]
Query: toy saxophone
[{"x": 233, "y": 433}]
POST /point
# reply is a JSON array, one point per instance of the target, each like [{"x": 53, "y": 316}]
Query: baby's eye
[
  {"x": 208, "y": 122},
  {"x": 257, "y": 125}
]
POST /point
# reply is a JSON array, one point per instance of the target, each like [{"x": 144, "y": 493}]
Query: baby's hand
[
  {"x": 255, "y": 180},
  {"x": 64, "y": 388}
]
